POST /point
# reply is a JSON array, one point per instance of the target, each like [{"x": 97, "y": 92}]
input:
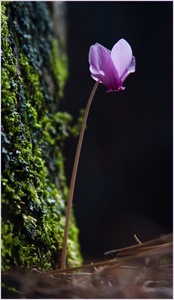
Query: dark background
[{"x": 124, "y": 181}]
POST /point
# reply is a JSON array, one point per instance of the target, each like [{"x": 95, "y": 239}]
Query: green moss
[
  {"x": 33, "y": 181},
  {"x": 59, "y": 65}
]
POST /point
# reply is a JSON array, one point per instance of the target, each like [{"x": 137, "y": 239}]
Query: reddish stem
[{"x": 73, "y": 177}]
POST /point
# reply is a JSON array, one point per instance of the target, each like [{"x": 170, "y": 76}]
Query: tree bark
[{"x": 34, "y": 190}]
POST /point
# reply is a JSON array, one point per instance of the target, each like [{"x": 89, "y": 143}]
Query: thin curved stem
[{"x": 73, "y": 177}]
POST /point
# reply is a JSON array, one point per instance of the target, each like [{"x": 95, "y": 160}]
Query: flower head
[{"x": 111, "y": 68}]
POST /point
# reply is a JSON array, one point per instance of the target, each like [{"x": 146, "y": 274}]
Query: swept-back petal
[
  {"x": 97, "y": 56},
  {"x": 121, "y": 55},
  {"x": 130, "y": 69},
  {"x": 102, "y": 67}
]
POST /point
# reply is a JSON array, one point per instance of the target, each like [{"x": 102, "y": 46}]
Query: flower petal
[
  {"x": 97, "y": 53},
  {"x": 121, "y": 55},
  {"x": 130, "y": 69},
  {"x": 102, "y": 67}
]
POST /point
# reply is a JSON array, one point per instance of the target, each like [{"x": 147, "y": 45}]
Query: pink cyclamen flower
[{"x": 111, "y": 68}]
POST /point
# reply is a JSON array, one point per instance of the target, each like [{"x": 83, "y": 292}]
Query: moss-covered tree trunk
[{"x": 34, "y": 71}]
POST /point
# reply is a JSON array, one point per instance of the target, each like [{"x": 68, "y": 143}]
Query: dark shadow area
[{"x": 124, "y": 181}]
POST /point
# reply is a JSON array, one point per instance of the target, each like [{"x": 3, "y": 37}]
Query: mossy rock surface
[{"x": 34, "y": 190}]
